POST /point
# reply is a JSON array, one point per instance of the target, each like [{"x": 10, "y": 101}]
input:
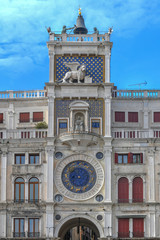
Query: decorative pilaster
[
  {"x": 51, "y": 116},
  {"x": 107, "y": 64},
  {"x": 151, "y": 176},
  {"x": 11, "y": 116},
  {"x": 50, "y": 221},
  {"x": 108, "y": 224},
  {"x": 108, "y": 175},
  {"x": 50, "y": 159},
  {"x": 3, "y": 175},
  {"x": 3, "y": 224},
  {"x": 51, "y": 66},
  {"x": 108, "y": 117},
  {"x": 130, "y": 190},
  {"x": 152, "y": 225}
]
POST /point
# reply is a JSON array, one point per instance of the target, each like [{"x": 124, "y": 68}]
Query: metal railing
[
  {"x": 33, "y": 234},
  {"x": 123, "y": 234},
  {"x": 18, "y": 234},
  {"x": 134, "y": 200}
]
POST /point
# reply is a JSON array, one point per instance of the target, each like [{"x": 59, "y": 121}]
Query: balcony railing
[
  {"x": 23, "y": 94},
  {"x": 123, "y": 234},
  {"x": 19, "y": 200},
  {"x": 134, "y": 134},
  {"x": 18, "y": 234},
  {"x": 138, "y": 234},
  {"x": 140, "y": 200},
  {"x": 33, "y": 200},
  {"x": 79, "y": 37},
  {"x": 27, "y": 201},
  {"x": 130, "y": 94},
  {"x": 33, "y": 234},
  {"x": 23, "y": 133}
]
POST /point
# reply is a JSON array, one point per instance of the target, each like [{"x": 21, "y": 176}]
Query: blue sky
[{"x": 24, "y": 62}]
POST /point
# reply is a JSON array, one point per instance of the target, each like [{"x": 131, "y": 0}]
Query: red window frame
[
  {"x": 34, "y": 233},
  {"x": 139, "y": 158},
  {"x": 123, "y": 190},
  {"x": 1, "y": 117},
  {"x": 156, "y": 116},
  {"x": 132, "y": 116},
  {"x": 19, "y": 185},
  {"x": 137, "y": 190},
  {"x": 34, "y": 155},
  {"x": 20, "y": 224},
  {"x": 37, "y": 116},
  {"x": 123, "y": 227},
  {"x": 34, "y": 185},
  {"x": 119, "y": 116},
  {"x": 21, "y": 159},
  {"x": 24, "y": 117},
  {"x": 138, "y": 227}
]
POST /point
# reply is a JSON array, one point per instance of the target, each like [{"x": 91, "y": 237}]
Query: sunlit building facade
[{"x": 79, "y": 159}]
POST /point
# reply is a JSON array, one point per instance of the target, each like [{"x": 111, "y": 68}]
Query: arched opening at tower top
[{"x": 79, "y": 229}]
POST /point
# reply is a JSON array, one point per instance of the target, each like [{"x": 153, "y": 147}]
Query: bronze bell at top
[{"x": 80, "y": 25}]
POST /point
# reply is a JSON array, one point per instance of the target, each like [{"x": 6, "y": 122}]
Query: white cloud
[{"x": 23, "y": 22}]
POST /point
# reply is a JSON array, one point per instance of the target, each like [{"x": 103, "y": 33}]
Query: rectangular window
[
  {"x": 123, "y": 227},
  {"x": 24, "y": 117},
  {"x": 138, "y": 227},
  {"x": 19, "y": 227},
  {"x": 119, "y": 116},
  {"x": 96, "y": 126},
  {"x": 156, "y": 116},
  {"x": 19, "y": 158},
  {"x": 128, "y": 158},
  {"x": 1, "y": 117},
  {"x": 38, "y": 117},
  {"x": 136, "y": 158},
  {"x": 34, "y": 158},
  {"x": 132, "y": 116},
  {"x": 62, "y": 125},
  {"x": 123, "y": 158},
  {"x": 33, "y": 227}
]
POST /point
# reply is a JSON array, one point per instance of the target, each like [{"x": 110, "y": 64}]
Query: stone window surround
[
  {"x": 130, "y": 222},
  {"x": 26, "y": 185},
  {"x": 96, "y": 118},
  {"x": 130, "y": 178},
  {"x": 62, "y": 118},
  {"x": 26, "y": 225},
  {"x": 26, "y": 158}
]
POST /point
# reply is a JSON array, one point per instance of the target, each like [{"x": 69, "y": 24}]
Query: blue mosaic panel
[
  {"x": 94, "y": 66},
  {"x": 79, "y": 176},
  {"x": 95, "y": 108}
]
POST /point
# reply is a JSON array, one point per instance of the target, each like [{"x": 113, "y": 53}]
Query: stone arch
[{"x": 73, "y": 221}]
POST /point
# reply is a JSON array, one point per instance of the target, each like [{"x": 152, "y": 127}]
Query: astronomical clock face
[{"x": 79, "y": 177}]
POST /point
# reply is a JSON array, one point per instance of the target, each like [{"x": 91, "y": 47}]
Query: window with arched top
[
  {"x": 137, "y": 189},
  {"x": 33, "y": 190},
  {"x": 123, "y": 190},
  {"x": 19, "y": 190}
]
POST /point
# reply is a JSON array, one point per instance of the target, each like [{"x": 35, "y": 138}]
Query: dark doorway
[{"x": 79, "y": 229}]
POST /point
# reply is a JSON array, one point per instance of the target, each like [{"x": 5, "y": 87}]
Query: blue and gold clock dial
[{"x": 79, "y": 176}]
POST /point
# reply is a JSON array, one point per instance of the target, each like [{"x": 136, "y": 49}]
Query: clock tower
[{"x": 79, "y": 129}]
